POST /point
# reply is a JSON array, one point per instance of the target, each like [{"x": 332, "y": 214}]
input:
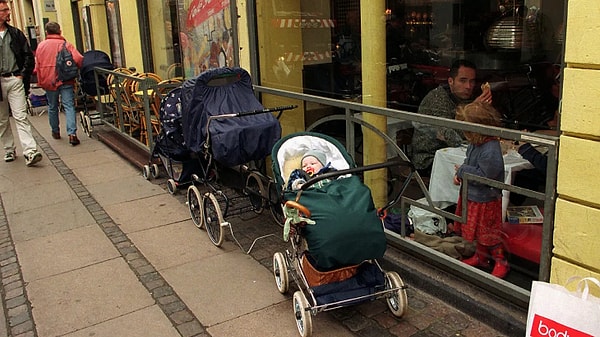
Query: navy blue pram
[
  {"x": 87, "y": 90},
  {"x": 233, "y": 141},
  {"x": 92, "y": 59},
  {"x": 198, "y": 131}
]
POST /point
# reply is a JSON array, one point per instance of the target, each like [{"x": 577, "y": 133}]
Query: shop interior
[{"x": 516, "y": 45}]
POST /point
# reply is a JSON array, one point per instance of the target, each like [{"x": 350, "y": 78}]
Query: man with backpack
[
  {"x": 15, "y": 71},
  {"x": 56, "y": 73}
]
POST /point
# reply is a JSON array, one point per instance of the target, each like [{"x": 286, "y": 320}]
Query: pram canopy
[
  {"x": 92, "y": 59},
  {"x": 347, "y": 230},
  {"x": 233, "y": 141}
]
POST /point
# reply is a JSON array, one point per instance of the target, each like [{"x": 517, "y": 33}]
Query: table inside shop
[{"x": 441, "y": 186}]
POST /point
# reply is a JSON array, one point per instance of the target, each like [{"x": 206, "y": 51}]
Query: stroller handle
[{"x": 265, "y": 110}]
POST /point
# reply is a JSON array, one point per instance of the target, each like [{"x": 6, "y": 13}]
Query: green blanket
[{"x": 347, "y": 229}]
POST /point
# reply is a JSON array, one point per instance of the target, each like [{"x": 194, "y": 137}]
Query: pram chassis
[{"x": 289, "y": 263}]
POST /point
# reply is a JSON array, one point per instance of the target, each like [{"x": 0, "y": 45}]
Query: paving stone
[
  {"x": 173, "y": 307},
  {"x": 190, "y": 329},
  {"x": 357, "y": 323},
  {"x": 181, "y": 317},
  {"x": 457, "y": 321}
]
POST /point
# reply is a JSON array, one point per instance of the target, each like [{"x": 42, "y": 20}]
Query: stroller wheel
[
  {"x": 280, "y": 271},
  {"x": 255, "y": 190},
  {"x": 213, "y": 218},
  {"x": 275, "y": 204},
  {"x": 88, "y": 126},
  {"x": 194, "y": 202},
  {"x": 154, "y": 171},
  {"x": 302, "y": 313},
  {"x": 171, "y": 186},
  {"x": 397, "y": 300},
  {"x": 82, "y": 120},
  {"x": 146, "y": 172}
]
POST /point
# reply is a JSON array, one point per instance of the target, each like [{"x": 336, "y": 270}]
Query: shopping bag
[{"x": 554, "y": 311}]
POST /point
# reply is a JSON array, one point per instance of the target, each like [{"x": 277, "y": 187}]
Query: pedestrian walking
[
  {"x": 45, "y": 65},
  {"x": 16, "y": 66}
]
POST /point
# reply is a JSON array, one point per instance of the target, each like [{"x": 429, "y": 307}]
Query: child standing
[{"x": 484, "y": 203}]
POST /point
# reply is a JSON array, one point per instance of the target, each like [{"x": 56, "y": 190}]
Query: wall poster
[{"x": 206, "y": 36}]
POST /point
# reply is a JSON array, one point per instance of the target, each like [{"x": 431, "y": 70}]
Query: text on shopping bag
[{"x": 545, "y": 327}]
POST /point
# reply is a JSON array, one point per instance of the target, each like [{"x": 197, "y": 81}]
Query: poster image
[{"x": 206, "y": 40}]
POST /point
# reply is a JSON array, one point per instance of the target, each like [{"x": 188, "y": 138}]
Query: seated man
[{"x": 442, "y": 102}]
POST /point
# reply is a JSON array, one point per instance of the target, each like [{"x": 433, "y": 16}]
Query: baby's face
[{"x": 311, "y": 165}]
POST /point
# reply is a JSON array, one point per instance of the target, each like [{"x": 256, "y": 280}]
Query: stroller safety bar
[{"x": 335, "y": 174}]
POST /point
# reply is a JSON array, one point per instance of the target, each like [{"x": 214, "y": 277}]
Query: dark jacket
[
  {"x": 23, "y": 54},
  {"x": 484, "y": 160},
  {"x": 439, "y": 102},
  {"x": 535, "y": 157}
]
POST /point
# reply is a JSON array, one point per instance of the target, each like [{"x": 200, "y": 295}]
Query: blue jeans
[{"x": 67, "y": 99}]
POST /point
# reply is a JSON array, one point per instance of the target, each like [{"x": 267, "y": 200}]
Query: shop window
[{"x": 315, "y": 47}]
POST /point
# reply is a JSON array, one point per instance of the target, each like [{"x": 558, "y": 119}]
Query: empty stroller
[
  {"x": 335, "y": 232},
  {"x": 88, "y": 88}
]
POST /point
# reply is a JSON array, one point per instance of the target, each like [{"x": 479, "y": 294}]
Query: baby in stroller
[{"x": 313, "y": 163}]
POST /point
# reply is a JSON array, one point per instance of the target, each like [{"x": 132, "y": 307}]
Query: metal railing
[{"x": 125, "y": 104}]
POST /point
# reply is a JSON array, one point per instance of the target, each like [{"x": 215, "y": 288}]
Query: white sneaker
[
  {"x": 32, "y": 157},
  {"x": 10, "y": 156}
]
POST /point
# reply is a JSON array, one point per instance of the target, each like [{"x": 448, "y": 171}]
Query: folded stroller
[{"x": 335, "y": 232}]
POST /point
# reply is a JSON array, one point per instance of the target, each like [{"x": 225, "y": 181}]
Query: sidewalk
[{"x": 90, "y": 248}]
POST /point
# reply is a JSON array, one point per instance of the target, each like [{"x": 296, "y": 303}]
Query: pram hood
[
  {"x": 235, "y": 140},
  {"x": 92, "y": 59}
]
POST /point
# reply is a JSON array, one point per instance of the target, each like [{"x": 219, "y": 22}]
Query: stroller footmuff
[{"x": 335, "y": 231}]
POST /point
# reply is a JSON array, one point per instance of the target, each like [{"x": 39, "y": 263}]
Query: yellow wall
[
  {"x": 243, "y": 36},
  {"x": 132, "y": 45},
  {"x": 65, "y": 19},
  {"x": 577, "y": 231}
]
